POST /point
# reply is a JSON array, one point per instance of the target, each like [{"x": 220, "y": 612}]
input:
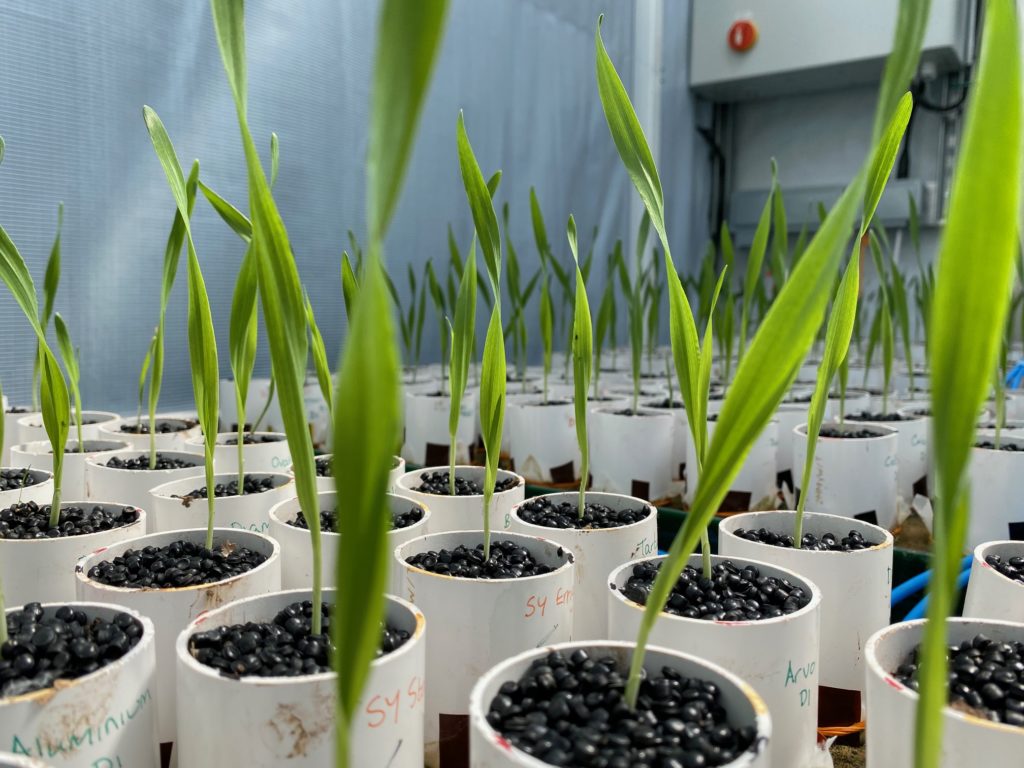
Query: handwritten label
[
  {"x": 537, "y": 605},
  {"x": 388, "y": 707},
  {"x": 643, "y": 548},
  {"x": 257, "y": 527},
  {"x": 800, "y": 676},
  {"x": 281, "y": 462}
]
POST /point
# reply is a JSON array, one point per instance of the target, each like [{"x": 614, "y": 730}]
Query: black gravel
[
  {"x": 541, "y": 511},
  {"x": 285, "y": 647},
  {"x": 251, "y": 484},
  {"x": 849, "y": 434},
  {"x": 250, "y": 439},
  {"x": 31, "y": 521},
  {"x": 990, "y": 445},
  {"x": 665, "y": 404},
  {"x": 1011, "y": 567},
  {"x": 735, "y": 592},
  {"x": 324, "y": 468},
  {"x": 142, "y": 462},
  {"x": 828, "y": 542},
  {"x": 799, "y": 399},
  {"x": 437, "y": 484},
  {"x": 868, "y": 416},
  {"x": 329, "y": 520},
  {"x": 986, "y": 678},
  {"x": 570, "y": 710},
  {"x": 162, "y": 427},
  {"x": 15, "y": 479},
  {"x": 508, "y": 560},
  {"x": 60, "y": 644},
  {"x": 631, "y": 412},
  {"x": 18, "y": 409},
  {"x": 178, "y": 564}
]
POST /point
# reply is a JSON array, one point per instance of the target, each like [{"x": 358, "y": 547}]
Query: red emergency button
[{"x": 742, "y": 35}]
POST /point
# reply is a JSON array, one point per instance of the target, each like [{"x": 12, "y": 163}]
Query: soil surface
[
  {"x": 250, "y": 439},
  {"x": 162, "y": 462},
  {"x": 508, "y": 560},
  {"x": 437, "y": 483},
  {"x": 329, "y": 520},
  {"x": 178, "y": 564},
  {"x": 251, "y": 484},
  {"x": 1010, "y": 567},
  {"x": 541, "y": 511},
  {"x": 991, "y": 446},
  {"x": 828, "y": 542},
  {"x": 866, "y": 416},
  {"x": 324, "y": 467},
  {"x": 31, "y": 521},
  {"x": 162, "y": 427},
  {"x": 848, "y": 434},
  {"x": 16, "y": 479}
]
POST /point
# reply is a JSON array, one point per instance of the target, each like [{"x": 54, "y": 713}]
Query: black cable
[{"x": 716, "y": 203}]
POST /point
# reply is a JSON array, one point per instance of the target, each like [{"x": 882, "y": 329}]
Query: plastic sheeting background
[{"x": 74, "y": 77}]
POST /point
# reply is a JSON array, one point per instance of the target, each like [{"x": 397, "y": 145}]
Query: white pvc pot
[
  {"x": 291, "y": 720},
  {"x": 326, "y": 483},
  {"x": 476, "y": 623},
  {"x": 891, "y": 706},
  {"x": 778, "y": 657},
  {"x": 856, "y": 587},
  {"x": 11, "y": 430},
  {"x": 31, "y": 429},
  {"x": 851, "y": 477},
  {"x": 172, "y": 509},
  {"x": 756, "y": 483},
  {"x": 41, "y": 492},
  {"x": 105, "y": 719},
  {"x": 912, "y": 452},
  {"x": 7, "y": 760},
  {"x": 542, "y": 439},
  {"x": 598, "y": 552},
  {"x": 462, "y": 513},
  {"x": 680, "y": 437},
  {"x": 165, "y": 441},
  {"x": 490, "y": 750},
  {"x": 43, "y": 570},
  {"x": 792, "y": 413},
  {"x": 263, "y": 457},
  {"x": 172, "y": 609},
  {"x": 633, "y": 454},
  {"x": 990, "y": 594},
  {"x": 296, "y": 552},
  {"x": 255, "y": 403},
  {"x": 996, "y": 480},
  {"x": 426, "y": 427},
  {"x": 39, "y": 454},
  {"x": 132, "y": 486}
]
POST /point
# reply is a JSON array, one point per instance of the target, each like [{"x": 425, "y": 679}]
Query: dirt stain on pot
[{"x": 296, "y": 730}]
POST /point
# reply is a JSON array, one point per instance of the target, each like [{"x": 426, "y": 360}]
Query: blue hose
[
  {"x": 917, "y": 612},
  {"x": 914, "y": 585}
]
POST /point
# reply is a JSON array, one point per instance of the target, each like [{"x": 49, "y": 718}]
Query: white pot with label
[
  {"x": 104, "y": 480},
  {"x": 490, "y": 749},
  {"x": 426, "y": 427},
  {"x": 39, "y": 455},
  {"x": 263, "y": 451},
  {"x": 43, "y": 570},
  {"x": 542, "y": 438},
  {"x": 173, "y": 508},
  {"x": 841, "y": 466},
  {"x": 755, "y": 485},
  {"x": 680, "y": 435},
  {"x": 31, "y": 429},
  {"x": 458, "y": 513},
  {"x": 172, "y": 609},
  {"x": 856, "y": 586},
  {"x": 891, "y": 706},
  {"x": 783, "y": 669},
  {"x": 598, "y": 552},
  {"x": 996, "y": 480},
  {"x": 296, "y": 552},
  {"x": 40, "y": 491},
  {"x": 172, "y": 432},
  {"x": 12, "y": 414},
  {"x": 990, "y": 593},
  {"x": 101, "y": 720},
  {"x": 476, "y": 623},
  {"x": 632, "y": 454},
  {"x": 912, "y": 450},
  {"x": 290, "y": 721}
]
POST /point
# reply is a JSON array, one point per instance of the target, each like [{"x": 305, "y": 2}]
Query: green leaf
[
  {"x": 275, "y": 153},
  {"x": 242, "y": 332},
  {"x": 540, "y": 233},
  {"x": 233, "y": 217},
  {"x": 52, "y": 278},
  {"x": 915, "y": 227},
  {"x": 463, "y": 342},
  {"x": 547, "y": 328},
  {"x": 493, "y": 183},
  {"x": 582, "y": 357},
  {"x": 484, "y": 219},
  {"x": 780, "y": 233},
  {"x": 70, "y": 358},
  {"x": 885, "y": 157},
  {"x": 754, "y": 261},
  {"x": 319, "y": 352},
  {"x": 968, "y": 313},
  {"x": 143, "y": 375},
  {"x": 350, "y": 286}
]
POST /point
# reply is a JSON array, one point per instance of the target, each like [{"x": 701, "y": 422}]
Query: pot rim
[
  {"x": 110, "y": 426},
  {"x": 110, "y": 417},
  {"x": 294, "y": 500},
  {"x": 400, "y": 484},
  {"x": 567, "y": 563},
  {"x": 888, "y": 541},
  {"x": 809, "y": 585},
  {"x": 82, "y": 571},
  {"x": 979, "y": 556},
  {"x": 160, "y": 491},
  {"x": 652, "y": 510},
  {"x": 45, "y": 448},
  {"x": 148, "y": 636},
  {"x": 83, "y": 536},
  {"x": 47, "y": 477},
  {"x": 1013, "y": 439},
  {"x": 183, "y": 656},
  {"x": 641, "y": 411},
  {"x": 800, "y": 430},
  {"x": 141, "y": 452},
  {"x": 198, "y": 440}
]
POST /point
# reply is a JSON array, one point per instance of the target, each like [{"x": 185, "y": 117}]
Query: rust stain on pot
[
  {"x": 75, "y": 712},
  {"x": 297, "y": 729}
]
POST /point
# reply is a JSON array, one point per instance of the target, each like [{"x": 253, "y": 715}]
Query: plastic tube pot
[
  {"x": 184, "y": 430},
  {"x": 648, "y": 390},
  {"x": 996, "y": 480},
  {"x": 11, "y": 431},
  {"x": 270, "y": 454},
  {"x": 476, "y": 623},
  {"x": 172, "y": 509},
  {"x": 632, "y": 454},
  {"x": 30, "y": 426},
  {"x": 990, "y": 594},
  {"x": 680, "y": 436},
  {"x": 463, "y": 513},
  {"x": 891, "y": 706},
  {"x": 489, "y": 749},
  {"x": 912, "y": 452},
  {"x": 41, "y": 491},
  {"x": 852, "y": 477},
  {"x": 43, "y": 570},
  {"x": 291, "y": 720},
  {"x": 172, "y": 609},
  {"x": 598, "y": 552},
  {"x": 101, "y": 720},
  {"x": 756, "y": 483},
  {"x": 856, "y": 587},
  {"x": 542, "y": 438},
  {"x": 426, "y": 427},
  {"x": 39, "y": 454},
  {"x": 778, "y": 657},
  {"x": 132, "y": 486},
  {"x": 296, "y": 559},
  {"x": 7, "y": 760},
  {"x": 325, "y": 483}
]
